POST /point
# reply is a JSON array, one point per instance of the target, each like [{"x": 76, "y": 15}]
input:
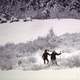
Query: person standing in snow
[
  {"x": 45, "y": 56},
  {"x": 53, "y": 57}
]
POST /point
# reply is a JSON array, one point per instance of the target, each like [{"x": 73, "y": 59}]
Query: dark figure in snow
[
  {"x": 45, "y": 56},
  {"x": 53, "y": 57}
]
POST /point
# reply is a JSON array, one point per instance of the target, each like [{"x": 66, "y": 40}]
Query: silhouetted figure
[
  {"x": 53, "y": 57},
  {"x": 45, "y": 56}
]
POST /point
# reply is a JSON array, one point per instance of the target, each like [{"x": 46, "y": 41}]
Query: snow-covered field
[
  {"x": 51, "y": 74},
  {"x": 24, "y": 31},
  {"x": 21, "y": 32}
]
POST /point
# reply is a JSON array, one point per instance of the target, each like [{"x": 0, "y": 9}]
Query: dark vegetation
[{"x": 40, "y": 9}]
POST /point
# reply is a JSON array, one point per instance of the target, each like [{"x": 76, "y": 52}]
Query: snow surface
[
  {"x": 24, "y": 31},
  {"x": 51, "y": 74}
]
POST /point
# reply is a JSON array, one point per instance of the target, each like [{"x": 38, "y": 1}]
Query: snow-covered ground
[
  {"x": 65, "y": 60},
  {"x": 24, "y": 31},
  {"x": 51, "y": 74}
]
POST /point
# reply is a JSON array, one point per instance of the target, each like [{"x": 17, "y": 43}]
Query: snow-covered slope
[
  {"x": 18, "y": 32},
  {"x": 24, "y": 31}
]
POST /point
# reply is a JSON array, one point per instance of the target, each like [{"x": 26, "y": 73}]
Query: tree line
[{"x": 38, "y": 8}]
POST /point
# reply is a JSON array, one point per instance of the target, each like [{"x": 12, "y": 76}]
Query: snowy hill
[{"x": 29, "y": 39}]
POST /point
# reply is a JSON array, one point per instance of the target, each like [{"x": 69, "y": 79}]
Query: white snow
[
  {"x": 68, "y": 55},
  {"x": 64, "y": 74},
  {"x": 25, "y": 31}
]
